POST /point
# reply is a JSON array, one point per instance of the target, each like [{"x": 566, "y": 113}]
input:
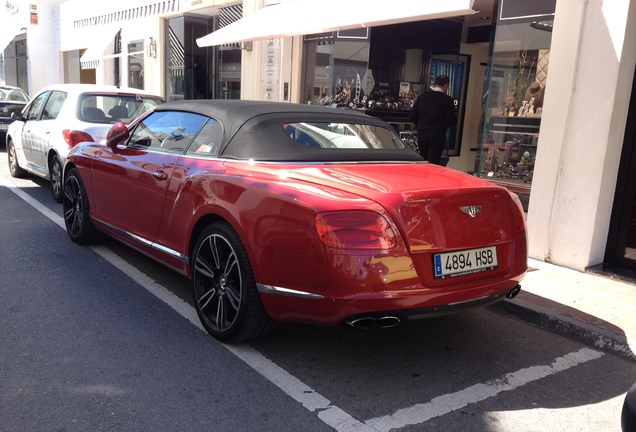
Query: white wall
[
  {"x": 591, "y": 70},
  {"x": 42, "y": 45},
  {"x": 43, "y": 63},
  {"x": 73, "y": 39},
  {"x": 251, "y": 62}
]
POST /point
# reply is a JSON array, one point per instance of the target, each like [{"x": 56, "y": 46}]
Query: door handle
[{"x": 160, "y": 175}]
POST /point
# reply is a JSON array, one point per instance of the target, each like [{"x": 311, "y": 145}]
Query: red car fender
[{"x": 262, "y": 213}]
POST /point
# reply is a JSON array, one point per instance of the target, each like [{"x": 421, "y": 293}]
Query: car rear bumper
[{"x": 411, "y": 304}]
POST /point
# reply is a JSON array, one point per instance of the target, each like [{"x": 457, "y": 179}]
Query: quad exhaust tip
[
  {"x": 373, "y": 322},
  {"x": 368, "y": 322},
  {"x": 513, "y": 292}
]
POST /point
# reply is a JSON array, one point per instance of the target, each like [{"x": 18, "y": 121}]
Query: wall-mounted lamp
[
  {"x": 247, "y": 46},
  {"x": 152, "y": 47}
]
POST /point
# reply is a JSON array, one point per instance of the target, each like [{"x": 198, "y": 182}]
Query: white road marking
[
  {"x": 305, "y": 395},
  {"x": 296, "y": 389},
  {"x": 33, "y": 202},
  {"x": 445, "y": 404}
]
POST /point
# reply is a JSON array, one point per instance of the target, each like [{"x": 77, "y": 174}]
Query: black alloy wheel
[
  {"x": 76, "y": 210},
  {"x": 55, "y": 174},
  {"x": 224, "y": 289},
  {"x": 14, "y": 168}
]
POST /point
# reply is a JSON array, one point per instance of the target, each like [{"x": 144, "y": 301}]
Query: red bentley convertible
[{"x": 296, "y": 213}]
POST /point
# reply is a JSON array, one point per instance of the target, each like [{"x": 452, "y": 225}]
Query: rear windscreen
[
  {"x": 113, "y": 108},
  {"x": 343, "y": 136}
]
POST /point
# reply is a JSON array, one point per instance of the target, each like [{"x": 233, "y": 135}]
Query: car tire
[
  {"x": 76, "y": 210},
  {"x": 628, "y": 414},
  {"x": 14, "y": 167},
  {"x": 224, "y": 289},
  {"x": 55, "y": 176}
]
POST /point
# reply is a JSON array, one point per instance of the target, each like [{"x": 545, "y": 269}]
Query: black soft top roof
[
  {"x": 239, "y": 111},
  {"x": 253, "y": 130}
]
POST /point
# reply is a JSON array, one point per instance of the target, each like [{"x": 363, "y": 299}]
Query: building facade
[
  {"x": 29, "y": 44},
  {"x": 543, "y": 88}
]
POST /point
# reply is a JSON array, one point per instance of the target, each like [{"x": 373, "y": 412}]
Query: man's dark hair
[{"x": 442, "y": 80}]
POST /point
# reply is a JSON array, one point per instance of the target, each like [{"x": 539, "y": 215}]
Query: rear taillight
[
  {"x": 355, "y": 230},
  {"x": 74, "y": 137},
  {"x": 520, "y": 214}
]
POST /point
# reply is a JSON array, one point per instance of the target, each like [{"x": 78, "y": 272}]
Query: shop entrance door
[
  {"x": 621, "y": 245},
  {"x": 190, "y": 69}
]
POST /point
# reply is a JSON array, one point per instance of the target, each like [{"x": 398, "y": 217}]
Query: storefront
[
  {"x": 151, "y": 46},
  {"x": 194, "y": 72},
  {"x": 555, "y": 136},
  {"x": 382, "y": 70},
  {"x": 541, "y": 93},
  {"x": 114, "y": 43}
]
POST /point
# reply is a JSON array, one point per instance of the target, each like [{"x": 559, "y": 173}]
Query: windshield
[
  {"x": 13, "y": 95},
  {"x": 113, "y": 108},
  {"x": 343, "y": 136}
]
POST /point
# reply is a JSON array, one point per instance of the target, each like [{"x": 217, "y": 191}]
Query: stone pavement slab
[{"x": 599, "y": 310}]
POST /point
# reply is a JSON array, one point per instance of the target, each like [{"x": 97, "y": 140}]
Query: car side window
[
  {"x": 169, "y": 131},
  {"x": 208, "y": 140},
  {"x": 53, "y": 105},
  {"x": 36, "y": 106}
]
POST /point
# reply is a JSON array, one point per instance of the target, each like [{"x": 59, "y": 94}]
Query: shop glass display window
[
  {"x": 136, "y": 64},
  {"x": 336, "y": 68},
  {"x": 514, "y": 91}
]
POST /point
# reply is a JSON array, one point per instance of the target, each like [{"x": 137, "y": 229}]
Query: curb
[{"x": 597, "y": 337}]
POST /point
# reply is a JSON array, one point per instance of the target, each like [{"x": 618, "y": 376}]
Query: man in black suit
[{"x": 433, "y": 113}]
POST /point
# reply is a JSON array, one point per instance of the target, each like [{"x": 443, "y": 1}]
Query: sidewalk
[{"x": 592, "y": 308}]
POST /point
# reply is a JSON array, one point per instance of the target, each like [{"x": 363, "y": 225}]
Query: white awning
[
  {"x": 96, "y": 47},
  {"x": 7, "y": 36},
  {"x": 5, "y": 40},
  {"x": 301, "y": 17}
]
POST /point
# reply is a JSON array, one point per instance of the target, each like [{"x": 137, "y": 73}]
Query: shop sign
[
  {"x": 33, "y": 12},
  {"x": 271, "y": 69}
]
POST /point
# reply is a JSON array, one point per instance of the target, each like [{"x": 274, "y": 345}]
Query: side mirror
[
  {"x": 17, "y": 115},
  {"x": 117, "y": 134}
]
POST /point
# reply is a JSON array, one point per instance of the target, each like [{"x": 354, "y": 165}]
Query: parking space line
[
  {"x": 330, "y": 414},
  {"x": 292, "y": 386},
  {"x": 448, "y": 403},
  {"x": 33, "y": 202}
]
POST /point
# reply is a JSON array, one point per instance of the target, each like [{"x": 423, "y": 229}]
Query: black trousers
[{"x": 431, "y": 144}]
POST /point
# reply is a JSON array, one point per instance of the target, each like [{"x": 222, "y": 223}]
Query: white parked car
[{"x": 60, "y": 117}]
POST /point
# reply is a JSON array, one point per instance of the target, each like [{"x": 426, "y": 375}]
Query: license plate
[{"x": 464, "y": 262}]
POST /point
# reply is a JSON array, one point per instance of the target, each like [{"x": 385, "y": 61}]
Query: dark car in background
[{"x": 12, "y": 99}]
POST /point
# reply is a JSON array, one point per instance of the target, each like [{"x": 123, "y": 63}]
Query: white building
[{"x": 571, "y": 160}]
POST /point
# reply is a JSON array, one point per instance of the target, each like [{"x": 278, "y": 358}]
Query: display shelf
[{"x": 514, "y": 125}]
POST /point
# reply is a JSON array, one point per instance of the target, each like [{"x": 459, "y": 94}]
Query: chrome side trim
[
  {"x": 269, "y": 289},
  {"x": 144, "y": 241}
]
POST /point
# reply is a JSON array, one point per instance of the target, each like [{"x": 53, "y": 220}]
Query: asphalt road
[{"x": 101, "y": 338}]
